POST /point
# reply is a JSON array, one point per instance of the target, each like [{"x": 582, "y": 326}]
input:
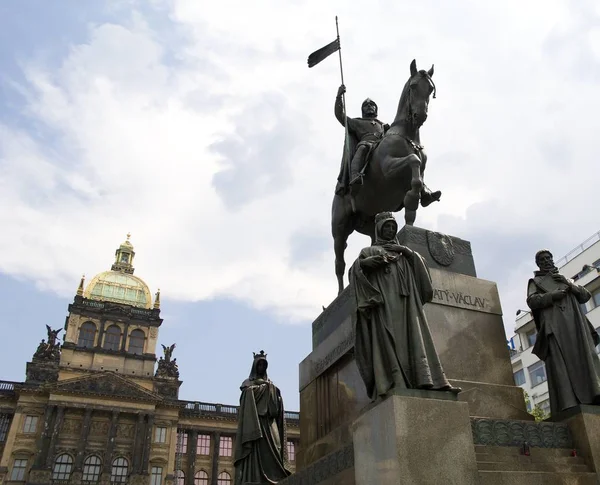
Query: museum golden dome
[{"x": 119, "y": 285}]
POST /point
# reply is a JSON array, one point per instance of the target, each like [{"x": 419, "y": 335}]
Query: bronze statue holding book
[{"x": 566, "y": 339}]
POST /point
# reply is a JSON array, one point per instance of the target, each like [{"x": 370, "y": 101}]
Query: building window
[
  {"x": 156, "y": 475},
  {"x": 537, "y": 373},
  {"x": 91, "y": 469},
  {"x": 583, "y": 307},
  {"x": 112, "y": 339},
  {"x": 119, "y": 470},
  {"x": 18, "y": 470},
  {"x": 182, "y": 439},
  {"x": 179, "y": 477},
  {"x": 201, "y": 478},
  {"x": 4, "y": 425},
  {"x": 160, "y": 434},
  {"x": 519, "y": 377},
  {"x": 203, "y": 444},
  {"x": 225, "y": 446},
  {"x": 291, "y": 449},
  {"x": 62, "y": 467},
  {"x": 596, "y": 297},
  {"x": 224, "y": 478},
  {"x": 136, "y": 342},
  {"x": 531, "y": 336},
  {"x": 87, "y": 335},
  {"x": 30, "y": 424},
  {"x": 545, "y": 406}
]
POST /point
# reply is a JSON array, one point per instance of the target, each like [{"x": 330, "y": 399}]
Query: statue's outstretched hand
[{"x": 341, "y": 90}]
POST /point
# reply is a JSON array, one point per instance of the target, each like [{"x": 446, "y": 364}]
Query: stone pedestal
[
  {"x": 465, "y": 318},
  {"x": 414, "y": 441},
  {"x": 584, "y": 424}
]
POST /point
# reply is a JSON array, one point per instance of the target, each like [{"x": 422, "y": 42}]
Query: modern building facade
[
  {"x": 582, "y": 264},
  {"x": 95, "y": 410}
]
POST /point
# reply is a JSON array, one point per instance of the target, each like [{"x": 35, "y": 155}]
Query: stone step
[
  {"x": 531, "y": 467},
  {"x": 534, "y": 458},
  {"x": 536, "y": 478},
  {"x": 516, "y": 451}
]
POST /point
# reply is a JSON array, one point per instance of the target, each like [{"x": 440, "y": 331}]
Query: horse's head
[{"x": 417, "y": 91}]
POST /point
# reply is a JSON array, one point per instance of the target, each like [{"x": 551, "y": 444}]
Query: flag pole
[{"x": 346, "y": 141}]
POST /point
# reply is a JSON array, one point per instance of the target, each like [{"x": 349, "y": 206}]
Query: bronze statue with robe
[
  {"x": 566, "y": 339},
  {"x": 261, "y": 445},
  {"x": 393, "y": 343}
]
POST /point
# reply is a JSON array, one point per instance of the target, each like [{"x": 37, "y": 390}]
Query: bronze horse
[{"x": 394, "y": 174}]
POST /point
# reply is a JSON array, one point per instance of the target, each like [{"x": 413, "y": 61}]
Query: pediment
[{"x": 108, "y": 384}]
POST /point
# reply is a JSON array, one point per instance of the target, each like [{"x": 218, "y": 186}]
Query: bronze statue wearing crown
[
  {"x": 261, "y": 445},
  {"x": 393, "y": 347}
]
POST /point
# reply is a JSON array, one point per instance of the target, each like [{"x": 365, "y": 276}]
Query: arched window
[
  {"x": 224, "y": 478},
  {"x": 112, "y": 339},
  {"x": 136, "y": 341},
  {"x": 87, "y": 335},
  {"x": 201, "y": 478},
  {"x": 120, "y": 468},
  {"x": 62, "y": 467},
  {"x": 180, "y": 477},
  {"x": 91, "y": 469}
]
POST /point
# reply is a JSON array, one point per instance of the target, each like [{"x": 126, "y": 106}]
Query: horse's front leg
[
  {"x": 413, "y": 196},
  {"x": 396, "y": 166}
]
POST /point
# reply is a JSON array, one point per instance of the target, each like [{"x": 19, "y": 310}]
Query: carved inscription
[
  {"x": 459, "y": 298},
  {"x": 335, "y": 354}
]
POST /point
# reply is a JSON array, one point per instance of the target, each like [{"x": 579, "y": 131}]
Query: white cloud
[{"x": 133, "y": 114}]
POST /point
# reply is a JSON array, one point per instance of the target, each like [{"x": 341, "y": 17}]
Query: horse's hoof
[{"x": 430, "y": 197}]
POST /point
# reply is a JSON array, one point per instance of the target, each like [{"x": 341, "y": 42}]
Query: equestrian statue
[{"x": 383, "y": 165}]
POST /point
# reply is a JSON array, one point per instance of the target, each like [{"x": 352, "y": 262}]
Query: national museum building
[{"x": 96, "y": 410}]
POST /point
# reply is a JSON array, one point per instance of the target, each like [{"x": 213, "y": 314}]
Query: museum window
[
  {"x": 519, "y": 377},
  {"x": 156, "y": 475},
  {"x": 62, "y": 467},
  {"x": 291, "y": 451},
  {"x": 160, "y": 434},
  {"x": 224, "y": 478},
  {"x": 119, "y": 470},
  {"x": 18, "y": 470},
  {"x": 179, "y": 477},
  {"x": 201, "y": 478},
  {"x": 531, "y": 336},
  {"x": 596, "y": 297},
  {"x": 203, "y": 444},
  {"x": 225, "y": 446},
  {"x": 112, "y": 339},
  {"x": 182, "y": 440},
  {"x": 545, "y": 406},
  {"x": 30, "y": 424},
  {"x": 136, "y": 342},
  {"x": 584, "y": 308},
  {"x": 91, "y": 469},
  {"x": 537, "y": 373},
  {"x": 4, "y": 425},
  {"x": 87, "y": 335}
]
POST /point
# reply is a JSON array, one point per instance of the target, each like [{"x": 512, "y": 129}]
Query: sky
[{"x": 198, "y": 128}]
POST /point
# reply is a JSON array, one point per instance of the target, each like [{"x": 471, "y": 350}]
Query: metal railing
[{"x": 578, "y": 250}]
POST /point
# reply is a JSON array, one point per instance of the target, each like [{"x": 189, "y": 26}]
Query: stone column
[
  {"x": 101, "y": 333},
  {"x": 147, "y": 443},
  {"x": 41, "y": 450},
  {"x": 192, "y": 449},
  {"x": 125, "y": 333},
  {"x": 215, "y": 459},
  {"x": 137, "y": 443},
  {"x": 110, "y": 444},
  {"x": 58, "y": 422},
  {"x": 85, "y": 431}
]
